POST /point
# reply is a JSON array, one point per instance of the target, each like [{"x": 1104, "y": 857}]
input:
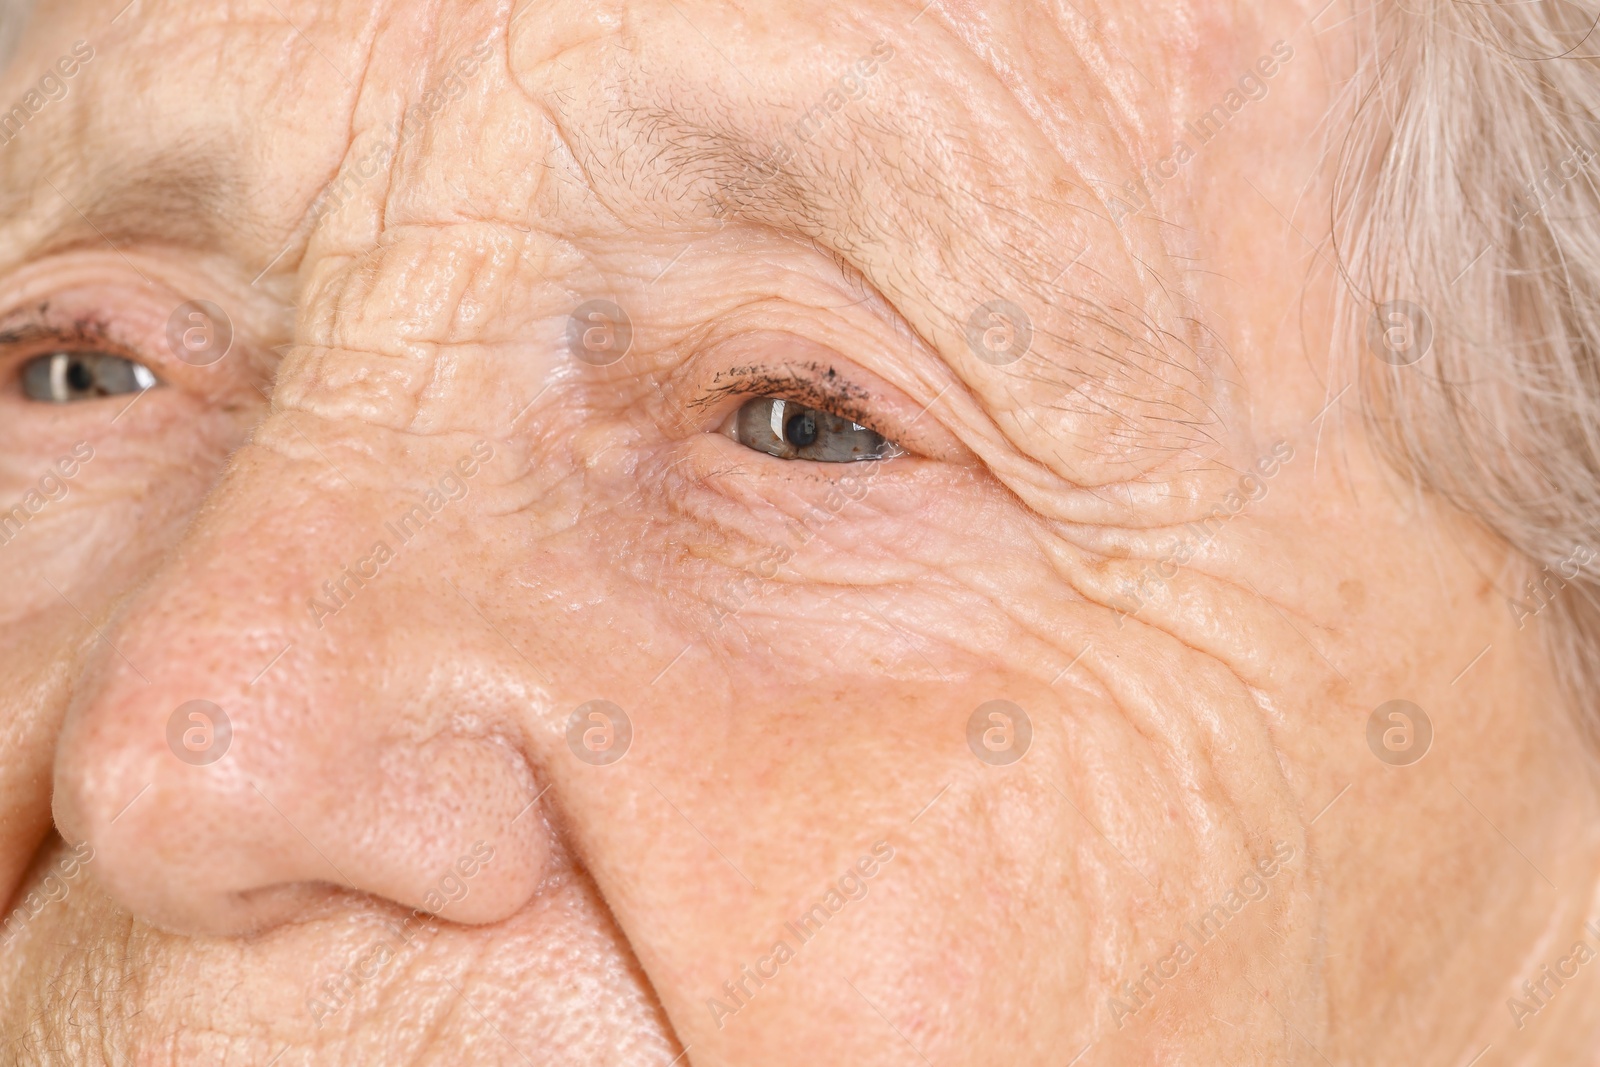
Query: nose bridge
[{"x": 266, "y": 727}]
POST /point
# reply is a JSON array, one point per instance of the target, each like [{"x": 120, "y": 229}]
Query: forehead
[
  {"x": 806, "y": 115},
  {"x": 954, "y": 159}
]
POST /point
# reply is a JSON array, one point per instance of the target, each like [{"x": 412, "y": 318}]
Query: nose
[{"x": 290, "y": 711}]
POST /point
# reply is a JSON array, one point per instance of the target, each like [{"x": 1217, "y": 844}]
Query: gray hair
[{"x": 1466, "y": 186}]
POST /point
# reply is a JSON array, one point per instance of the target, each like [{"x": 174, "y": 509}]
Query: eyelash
[
  {"x": 37, "y": 328},
  {"x": 825, "y": 390}
]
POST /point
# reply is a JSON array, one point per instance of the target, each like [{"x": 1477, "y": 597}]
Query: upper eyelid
[
  {"x": 828, "y": 391},
  {"x": 38, "y": 333}
]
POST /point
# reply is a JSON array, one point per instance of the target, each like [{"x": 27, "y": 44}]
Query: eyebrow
[
  {"x": 870, "y": 178},
  {"x": 738, "y": 176},
  {"x": 187, "y": 197},
  {"x": 743, "y": 178},
  {"x": 816, "y": 189}
]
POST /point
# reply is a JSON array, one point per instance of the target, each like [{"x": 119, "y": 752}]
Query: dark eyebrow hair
[
  {"x": 739, "y": 174},
  {"x": 187, "y": 197}
]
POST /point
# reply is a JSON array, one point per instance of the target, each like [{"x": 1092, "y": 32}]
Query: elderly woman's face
[{"x": 760, "y": 533}]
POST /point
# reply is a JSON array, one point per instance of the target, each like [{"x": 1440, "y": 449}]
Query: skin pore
[{"x": 406, "y": 853}]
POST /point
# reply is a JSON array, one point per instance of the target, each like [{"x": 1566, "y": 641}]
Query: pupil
[
  {"x": 801, "y": 429},
  {"x": 79, "y": 376}
]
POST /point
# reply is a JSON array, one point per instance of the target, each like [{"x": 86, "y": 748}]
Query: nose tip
[{"x": 232, "y": 765}]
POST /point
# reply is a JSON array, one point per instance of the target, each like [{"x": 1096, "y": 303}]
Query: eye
[
  {"x": 62, "y": 377},
  {"x": 790, "y": 430}
]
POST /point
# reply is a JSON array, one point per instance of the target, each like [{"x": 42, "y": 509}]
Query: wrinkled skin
[{"x": 787, "y": 716}]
